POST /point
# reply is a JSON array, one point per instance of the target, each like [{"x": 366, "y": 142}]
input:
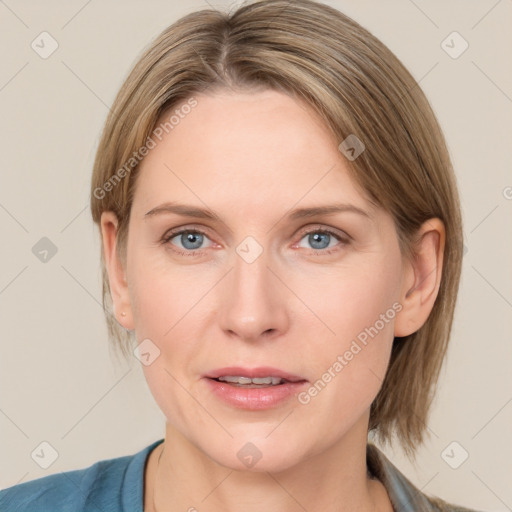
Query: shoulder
[
  {"x": 403, "y": 494},
  {"x": 113, "y": 484},
  {"x": 83, "y": 489}
]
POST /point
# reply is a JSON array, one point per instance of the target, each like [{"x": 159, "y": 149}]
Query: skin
[{"x": 250, "y": 158}]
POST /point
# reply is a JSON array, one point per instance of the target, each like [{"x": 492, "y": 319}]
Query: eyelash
[{"x": 320, "y": 252}]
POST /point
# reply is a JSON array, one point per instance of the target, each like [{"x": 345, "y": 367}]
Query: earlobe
[
  {"x": 116, "y": 271},
  {"x": 422, "y": 278}
]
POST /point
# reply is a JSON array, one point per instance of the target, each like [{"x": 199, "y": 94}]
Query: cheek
[
  {"x": 359, "y": 306},
  {"x": 165, "y": 301},
  {"x": 349, "y": 300},
  {"x": 161, "y": 294}
]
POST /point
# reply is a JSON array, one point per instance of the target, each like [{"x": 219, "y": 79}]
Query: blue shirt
[
  {"x": 117, "y": 485},
  {"x": 114, "y": 485}
]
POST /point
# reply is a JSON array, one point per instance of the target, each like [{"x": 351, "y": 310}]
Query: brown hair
[{"x": 357, "y": 86}]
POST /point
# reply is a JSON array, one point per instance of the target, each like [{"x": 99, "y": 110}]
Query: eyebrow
[{"x": 298, "y": 213}]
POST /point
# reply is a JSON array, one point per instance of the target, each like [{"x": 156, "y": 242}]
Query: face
[{"x": 266, "y": 282}]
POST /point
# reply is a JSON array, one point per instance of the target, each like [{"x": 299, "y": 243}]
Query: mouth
[
  {"x": 246, "y": 382},
  {"x": 254, "y": 389},
  {"x": 250, "y": 378}
]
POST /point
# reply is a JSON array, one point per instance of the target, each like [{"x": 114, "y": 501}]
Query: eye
[
  {"x": 191, "y": 240},
  {"x": 322, "y": 240}
]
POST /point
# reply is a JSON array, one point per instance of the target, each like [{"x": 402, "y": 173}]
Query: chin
[{"x": 259, "y": 455}]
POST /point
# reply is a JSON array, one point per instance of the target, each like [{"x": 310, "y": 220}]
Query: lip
[{"x": 254, "y": 398}]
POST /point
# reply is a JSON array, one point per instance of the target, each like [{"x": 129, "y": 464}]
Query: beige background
[{"x": 59, "y": 383}]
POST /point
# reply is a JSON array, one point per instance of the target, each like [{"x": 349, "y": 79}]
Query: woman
[{"x": 281, "y": 245}]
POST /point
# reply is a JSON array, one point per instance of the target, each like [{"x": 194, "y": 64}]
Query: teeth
[
  {"x": 272, "y": 381},
  {"x": 266, "y": 380}
]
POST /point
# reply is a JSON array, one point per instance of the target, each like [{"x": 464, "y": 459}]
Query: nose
[{"x": 253, "y": 301}]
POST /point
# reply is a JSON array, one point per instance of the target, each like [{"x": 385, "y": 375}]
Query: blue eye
[
  {"x": 321, "y": 239},
  {"x": 190, "y": 240}
]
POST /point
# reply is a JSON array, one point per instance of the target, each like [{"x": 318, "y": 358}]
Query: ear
[
  {"x": 422, "y": 278},
  {"x": 116, "y": 271}
]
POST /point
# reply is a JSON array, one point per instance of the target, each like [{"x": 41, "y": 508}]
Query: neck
[{"x": 180, "y": 477}]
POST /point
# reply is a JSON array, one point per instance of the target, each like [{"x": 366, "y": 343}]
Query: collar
[{"x": 404, "y": 496}]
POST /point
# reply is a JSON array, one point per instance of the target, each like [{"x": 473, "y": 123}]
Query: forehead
[{"x": 262, "y": 149}]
